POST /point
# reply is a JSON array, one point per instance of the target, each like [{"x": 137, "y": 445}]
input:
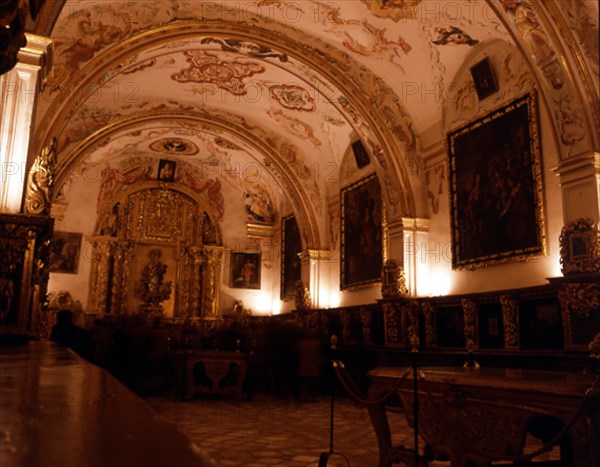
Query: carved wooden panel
[{"x": 24, "y": 242}]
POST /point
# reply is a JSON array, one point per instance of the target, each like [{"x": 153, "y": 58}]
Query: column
[
  {"x": 415, "y": 255},
  {"x": 580, "y": 187},
  {"x": 19, "y": 89},
  {"x": 318, "y": 276}
]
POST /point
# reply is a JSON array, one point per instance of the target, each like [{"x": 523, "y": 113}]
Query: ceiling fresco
[{"x": 283, "y": 88}]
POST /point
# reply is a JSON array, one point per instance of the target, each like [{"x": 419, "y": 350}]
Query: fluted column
[
  {"x": 19, "y": 90},
  {"x": 417, "y": 254},
  {"x": 580, "y": 187},
  {"x": 318, "y": 276}
]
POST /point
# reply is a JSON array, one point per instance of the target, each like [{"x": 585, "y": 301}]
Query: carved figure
[
  {"x": 393, "y": 283},
  {"x": 153, "y": 289},
  {"x": 303, "y": 301}
]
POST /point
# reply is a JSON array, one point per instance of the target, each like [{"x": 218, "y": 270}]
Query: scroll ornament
[
  {"x": 40, "y": 182},
  {"x": 470, "y": 314},
  {"x": 429, "y": 314},
  {"x": 303, "y": 300},
  {"x": 580, "y": 299},
  {"x": 393, "y": 280},
  {"x": 365, "y": 320},
  {"x": 580, "y": 247},
  {"x": 510, "y": 310}
]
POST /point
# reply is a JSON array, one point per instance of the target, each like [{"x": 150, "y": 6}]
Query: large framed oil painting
[
  {"x": 291, "y": 245},
  {"x": 245, "y": 270},
  {"x": 64, "y": 252},
  {"x": 362, "y": 239},
  {"x": 496, "y": 188}
]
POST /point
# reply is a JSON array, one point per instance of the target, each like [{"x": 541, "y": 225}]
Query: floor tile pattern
[{"x": 272, "y": 432}]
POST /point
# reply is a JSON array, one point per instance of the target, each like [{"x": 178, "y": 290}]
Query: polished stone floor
[{"x": 272, "y": 432}]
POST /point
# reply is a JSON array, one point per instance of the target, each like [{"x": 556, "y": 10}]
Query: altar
[{"x": 476, "y": 416}]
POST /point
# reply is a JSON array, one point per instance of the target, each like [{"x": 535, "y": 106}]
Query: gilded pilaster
[
  {"x": 429, "y": 314},
  {"x": 470, "y": 314},
  {"x": 194, "y": 298},
  {"x": 211, "y": 275},
  {"x": 510, "y": 316}
]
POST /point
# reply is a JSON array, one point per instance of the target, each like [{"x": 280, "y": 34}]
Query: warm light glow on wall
[
  {"x": 334, "y": 299},
  {"x": 262, "y": 304},
  {"x": 276, "y": 309},
  {"x": 423, "y": 280},
  {"x": 440, "y": 283},
  {"x": 556, "y": 270}
]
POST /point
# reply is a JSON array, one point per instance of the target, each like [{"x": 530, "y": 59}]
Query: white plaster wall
[{"x": 79, "y": 216}]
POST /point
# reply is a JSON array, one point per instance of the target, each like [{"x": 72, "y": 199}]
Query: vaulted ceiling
[{"x": 262, "y": 96}]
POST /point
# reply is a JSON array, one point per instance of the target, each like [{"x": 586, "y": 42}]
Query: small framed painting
[
  {"x": 166, "y": 170},
  {"x": 64, "y": 252},
  {"x": 245, "y": 270},
  {"x": 484, "y": 79}
]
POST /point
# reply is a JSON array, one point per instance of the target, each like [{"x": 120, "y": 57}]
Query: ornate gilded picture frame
[
  {"x": 496, "y": 188},
  {"x": 245, "y": 270},
  {"x": 580, "y": 247},
  {"x": 362, "y": 236},
  {"x": 291, "y": 245}
]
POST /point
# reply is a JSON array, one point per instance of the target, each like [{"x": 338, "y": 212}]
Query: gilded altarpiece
[
  {"x": 151, "y": 260},
  {"x": 24, "y": 249}
]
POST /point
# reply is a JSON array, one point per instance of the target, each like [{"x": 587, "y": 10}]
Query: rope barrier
[
  {"x": 342, "y": 368},
  {"x": 355, "y": 393},
  {"x": 352, "y": 389}
]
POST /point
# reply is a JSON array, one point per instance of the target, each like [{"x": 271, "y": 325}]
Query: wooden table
[
  {"x": 474, "y": 416},
  {"x": 224, "y": 372},
  {"x": 60, "y": 410}
]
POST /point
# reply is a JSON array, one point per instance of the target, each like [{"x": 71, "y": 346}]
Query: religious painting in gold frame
[
  {"x": 362, "y": 235},
  {"x": 64, "y": 252},
  {"x": 245, "y": 270},
  {"x": 291, "y": 245},
  {"x": 496, "y": 188}
]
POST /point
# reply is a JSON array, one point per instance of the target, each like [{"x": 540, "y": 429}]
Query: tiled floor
[{"x": 272, "y": 432}]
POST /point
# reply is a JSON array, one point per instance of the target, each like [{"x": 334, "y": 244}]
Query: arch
[
  {"x": 291, "y": 182},
  {"x": 378, "y": 117},
  {"x": 560, "y": 72}
]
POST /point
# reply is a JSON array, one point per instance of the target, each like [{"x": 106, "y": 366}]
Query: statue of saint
[{"x": 153, "y": 289}]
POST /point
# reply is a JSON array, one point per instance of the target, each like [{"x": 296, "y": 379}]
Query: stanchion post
[
  {"x": 324, "y": 457},
  {"x": 415, "y": 353}
]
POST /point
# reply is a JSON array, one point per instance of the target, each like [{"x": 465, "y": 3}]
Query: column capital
[
  {"x": 314, "y": 255},
  {"x": 39, "y": 52},
  {"x": 573, "y": 168},
  {"x": 580, "y": 187},
  {"x": 415, "y": 224}
]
